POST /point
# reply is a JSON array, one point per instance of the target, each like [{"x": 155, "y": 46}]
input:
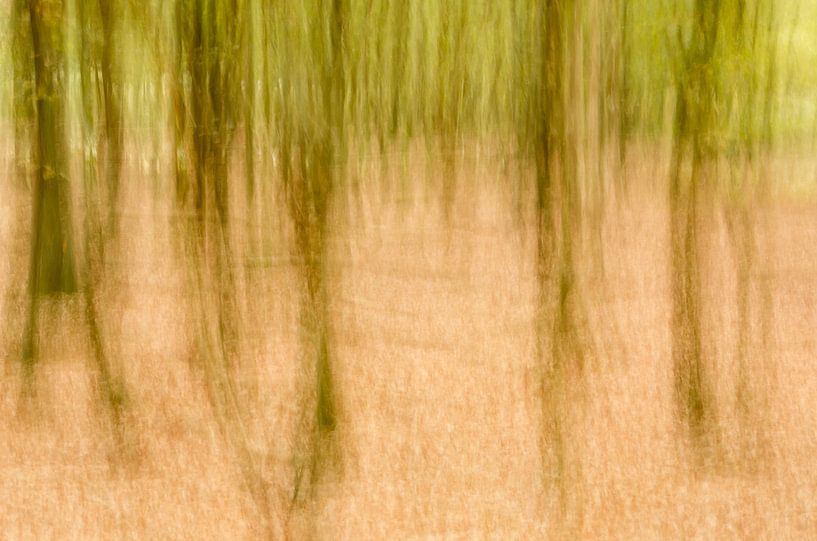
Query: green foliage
[{"x": 424, "y": 68}]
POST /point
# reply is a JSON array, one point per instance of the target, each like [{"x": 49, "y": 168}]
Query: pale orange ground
[{"x": 436, "y": 371}]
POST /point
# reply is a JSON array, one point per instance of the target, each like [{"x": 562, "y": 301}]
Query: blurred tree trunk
[
  {"x": 23, "y": 91},
  {"x": 52, "y": 249},
  {"x": 178, "y": 67},
  {"x": 111, "y": 86},
  {"x": 332, "y": 149},
  {"x": 249, "y": 99},
  {"x": 693, "y": 142},
  {"x": 623, "y": 89},
  {"x": 111, "y": 384},
  {"x": 209, "y": 52},
  {"x": 310, "y": 156},
  {"x": 748, "y": 190},
  {"x": 254, "y": 194},
  {"x": 561, "y": 324}
]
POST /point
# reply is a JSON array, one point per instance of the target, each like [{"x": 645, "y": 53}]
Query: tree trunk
[
  {"x": 52, "y": 251},
  {"x": 694, "y": 125},
  {"x": 113, "y": 110}
]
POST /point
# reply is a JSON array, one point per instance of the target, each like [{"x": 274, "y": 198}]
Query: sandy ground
[{"x": 440, "y": 413}]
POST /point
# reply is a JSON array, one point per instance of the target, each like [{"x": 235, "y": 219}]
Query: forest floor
[{"x": 439, "y": 433}]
